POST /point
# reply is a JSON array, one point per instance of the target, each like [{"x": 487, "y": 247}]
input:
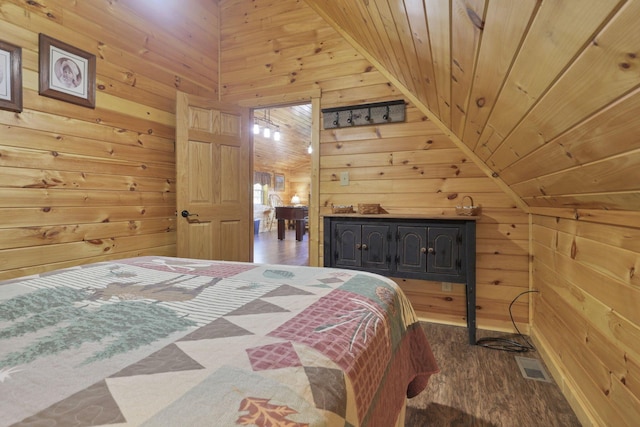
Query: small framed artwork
[
  {"x": 10, "y": 77},
  {"x": 279, "y": 184},
  {"x": 67, "y": 73}
]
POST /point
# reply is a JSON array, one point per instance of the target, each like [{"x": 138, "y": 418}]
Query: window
[
  {"x": 257, "y": 194},
  {"x": 261, "y": 182}
]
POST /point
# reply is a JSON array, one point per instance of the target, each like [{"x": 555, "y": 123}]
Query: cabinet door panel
[
  {"x": 376, "y": 248},
  {"x": 412, "y": 244},
  {"x": 347, "y": 239},
  {"x": 444, "y": 251}
]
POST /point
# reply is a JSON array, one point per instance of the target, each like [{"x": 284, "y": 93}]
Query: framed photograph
[
  {"x": 10, "y": 77},
  {"x": 279, "y": 182},
  {"x": 67, "y": 73}
]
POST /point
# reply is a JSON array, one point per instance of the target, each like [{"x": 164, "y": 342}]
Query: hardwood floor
[
  {"x": 476, "y": 386},
  {"x": 267, "y": 249},
  {"x": 481, "y": 387}
]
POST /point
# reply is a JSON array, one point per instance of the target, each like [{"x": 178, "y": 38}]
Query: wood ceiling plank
[
  {"x": 417, "y": 20},
  {"x": 559, "y": 30},
  {"x": 612, "y": 131},
  {"x": 506, "y": 24},
  {"x": 291, "y": 151},
  {"x": 439, "y": 22},
  {"x": 407, "y": 46},
  {"x": 607, "y": 69},
  {"x": 386, "y": 54},
  {"x": 619, "y": 173},
  {"x": 467, "y": 26},
  {"x": 605, "y": 202},
  {"x": 354, "y": 18}
]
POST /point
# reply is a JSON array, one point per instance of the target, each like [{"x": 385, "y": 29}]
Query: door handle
[{"x": 185, "y": 214}]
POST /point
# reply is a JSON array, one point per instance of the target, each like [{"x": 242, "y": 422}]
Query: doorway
[{"x": 282, "y": 164}]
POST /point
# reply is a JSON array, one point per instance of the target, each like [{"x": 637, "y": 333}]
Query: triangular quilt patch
[
  {"x": 219, "y": 328},
  {"x": 167, "y": 359}
]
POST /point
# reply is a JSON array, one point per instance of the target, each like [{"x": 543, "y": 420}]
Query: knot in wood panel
[{"x": 475, "y": 19}]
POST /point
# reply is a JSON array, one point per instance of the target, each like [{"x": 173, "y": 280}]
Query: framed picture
[
  {"x": 10, "y": 77},
  {"x": 67, "y": 73},
  {"x": 279, "y": 184}
]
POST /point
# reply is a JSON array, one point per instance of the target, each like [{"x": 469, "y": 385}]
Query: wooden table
[{"x": 292, "y": 213}]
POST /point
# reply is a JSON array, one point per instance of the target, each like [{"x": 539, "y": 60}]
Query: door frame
[{"x": 279, "y": 101}]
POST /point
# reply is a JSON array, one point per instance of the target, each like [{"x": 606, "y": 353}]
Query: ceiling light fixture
[{"x": 267, "y": 126}]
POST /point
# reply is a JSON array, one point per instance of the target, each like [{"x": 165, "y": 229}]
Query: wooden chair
[{"x": 274, "y": 201}]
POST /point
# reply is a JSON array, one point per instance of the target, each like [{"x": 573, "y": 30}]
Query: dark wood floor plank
[
  {"x": 481, "y": 387},
  {"x": 267, "y": 249}
]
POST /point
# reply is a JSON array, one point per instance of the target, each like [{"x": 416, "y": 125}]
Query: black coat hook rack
[{"x": 365, "y": 114}]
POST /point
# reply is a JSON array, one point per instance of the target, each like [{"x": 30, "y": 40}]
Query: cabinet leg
[{"x": 471, "y": 312}]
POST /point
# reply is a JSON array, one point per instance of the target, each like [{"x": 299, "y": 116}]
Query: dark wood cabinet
[
  {"x": 434, "y": 250},
  {"x": 438, "y": 249},
  {"x": 364, "y": 246}
]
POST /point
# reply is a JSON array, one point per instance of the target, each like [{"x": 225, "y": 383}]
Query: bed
[{"x": 162, "y": 341}]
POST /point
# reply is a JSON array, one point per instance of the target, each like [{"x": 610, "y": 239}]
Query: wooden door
[
  {"x": 346, "y": 245},
  {"x": 412, "y": 249},
  {"x": 444, "y": 251},
  {"x": 376, "y": 248},
  {"x": 214, "y": 167}
]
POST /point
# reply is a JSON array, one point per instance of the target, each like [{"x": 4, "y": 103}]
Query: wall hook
[{"x": 364, "y": 114}]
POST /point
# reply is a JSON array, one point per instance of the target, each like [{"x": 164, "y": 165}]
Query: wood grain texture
[
  {"x": 511, "y": 79},
  {"x": 410, "y": 167},
  {"x": 586, "y": 315},
  {"x": 483, "y": 388},
  {"x": 550, "y": 108},
  {"x": 528, "y": 111},
  {"x": 79, "y": 185}
]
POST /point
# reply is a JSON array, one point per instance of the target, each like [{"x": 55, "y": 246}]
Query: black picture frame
[
  {"x": 10, "y": 77},
  {"x": 66, "y": 72}
]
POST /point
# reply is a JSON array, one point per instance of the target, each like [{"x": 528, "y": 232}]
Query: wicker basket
[
  {"x": 341, "y": 209},
  {"x": 368, "y": 208},
  {"x": 468, "y": 210}
]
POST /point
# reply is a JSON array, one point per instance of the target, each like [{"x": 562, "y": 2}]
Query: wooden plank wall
[
  {"x": 586, "y": 318},
  {"x": 284, "y": 50},
  {"x": 79, "y": 185}
]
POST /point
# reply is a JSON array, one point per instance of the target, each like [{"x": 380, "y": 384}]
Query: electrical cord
[{"x": 505, "y": 344}]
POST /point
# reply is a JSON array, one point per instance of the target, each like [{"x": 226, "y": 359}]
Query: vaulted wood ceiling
[
  {"x": 290, "y": 153},
  {"x": 545, "y": 93}
]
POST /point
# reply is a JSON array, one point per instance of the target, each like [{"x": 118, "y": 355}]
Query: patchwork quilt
[{"x": 161, "y": 341}]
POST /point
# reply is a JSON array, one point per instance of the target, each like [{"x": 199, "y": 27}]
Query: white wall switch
[{"x": 344, "y": 178}]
